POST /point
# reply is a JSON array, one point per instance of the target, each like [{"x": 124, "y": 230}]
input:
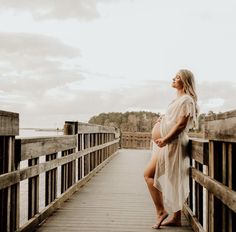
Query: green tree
[{"x": 141, "y": 121}]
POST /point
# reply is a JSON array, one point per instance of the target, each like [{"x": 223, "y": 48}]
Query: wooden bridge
[{"x": 59, "y": 174}]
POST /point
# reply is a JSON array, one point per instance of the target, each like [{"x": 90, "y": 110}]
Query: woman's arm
[{"x": 175, "y": 131}]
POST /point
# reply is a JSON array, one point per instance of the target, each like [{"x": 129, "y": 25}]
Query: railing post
[
  {"x": 70, "y": 128},
  {"x": 120, "y": 142},
  {"x": 69, "y": 169},
  {"x": 9, "y": 197}
]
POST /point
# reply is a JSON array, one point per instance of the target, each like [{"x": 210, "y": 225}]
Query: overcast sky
[{"x": 72, "y": 59}]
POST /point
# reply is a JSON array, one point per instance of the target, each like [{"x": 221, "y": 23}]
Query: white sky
[{"x": 72, "y": 59}]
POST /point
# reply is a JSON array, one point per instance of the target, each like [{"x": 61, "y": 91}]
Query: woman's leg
[
  {"x": 155, "y": 193},
  {"x": 175, "y": 220}
]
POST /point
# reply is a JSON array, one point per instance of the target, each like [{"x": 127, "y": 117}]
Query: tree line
[{"x": 134, "y": 121}]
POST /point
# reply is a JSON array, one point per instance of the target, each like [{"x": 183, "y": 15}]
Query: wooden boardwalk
[{"x": 115, "y": 199}]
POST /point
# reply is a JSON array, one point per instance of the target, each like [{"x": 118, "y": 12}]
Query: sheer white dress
[{"x": 172, "y": 167}]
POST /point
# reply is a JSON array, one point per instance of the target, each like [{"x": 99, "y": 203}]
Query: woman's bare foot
[
  {"x": 175, "y": 220},
  {"x": 160, "y": 218},
  {"x": 172, "y": 222}
]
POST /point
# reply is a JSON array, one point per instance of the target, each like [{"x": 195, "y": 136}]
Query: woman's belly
[{"x": 156, "y": 131}]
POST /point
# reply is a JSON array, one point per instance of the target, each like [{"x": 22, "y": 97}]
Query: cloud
[
  {"x": 31, "y": 64},
  {"x": 66, "y": 103},
  {"x": 154, "y": 96},
  {"x": 60, "y": 9},
  {"x": 217, "y": 96}
]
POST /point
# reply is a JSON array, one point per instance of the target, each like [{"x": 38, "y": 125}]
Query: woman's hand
[
  {"x": 174, "y": 131},
  {"x": 161, "y": 142}
]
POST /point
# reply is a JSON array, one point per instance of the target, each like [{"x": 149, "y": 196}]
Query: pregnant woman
[{"x": 167, "y": 174}]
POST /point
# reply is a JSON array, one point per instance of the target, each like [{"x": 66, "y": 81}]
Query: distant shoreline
[{"x": 43, "y": 129}]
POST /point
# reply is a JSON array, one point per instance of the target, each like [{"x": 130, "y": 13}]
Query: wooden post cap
[{"x": 9, "y": 123}]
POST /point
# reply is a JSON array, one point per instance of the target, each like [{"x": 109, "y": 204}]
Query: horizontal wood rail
[
  {"x": 68, "y": 162},
  {"x": 11, "y": 178},
  {"x": 222, "y": 192},
  {"x": 30, "y": 148},
  {"x": 136, "y": 140}
]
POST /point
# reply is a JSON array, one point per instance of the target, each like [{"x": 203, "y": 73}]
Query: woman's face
[{"x": 177, "y": 82}]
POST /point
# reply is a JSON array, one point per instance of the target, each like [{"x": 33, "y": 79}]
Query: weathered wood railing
[
  {"x": 211, "y": 204},
  {"x": 135, "y": 140},
  {"x": 212, "y": 201},
  {"x": 69, "y": 161}
]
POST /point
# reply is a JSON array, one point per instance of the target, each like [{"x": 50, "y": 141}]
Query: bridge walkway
[{"x": 115, "y": 199}]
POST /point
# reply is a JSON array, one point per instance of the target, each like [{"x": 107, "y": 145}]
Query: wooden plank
[
  {"x": 9, "y": 193},
  {"x": 73, "y": 168},
  {"x": 3, "y": 192},
  {"x": 9, "y": 156},
  {"x": 63, "y": 180},
  {"x": 15, "y": 215},
  {"x": 222, "y": 192},
  {"x": 196, "y": 194},
  {"x": 102, "y": 150},
  {"x": 218, "y": 177},
  {"x": 96, "y": 152},
  {"x": 191, "y": 183},
  {"x": 55, "y": 176},
  {"x": 16, "y": 187},
  {"x": 199, "y": 196},
  {"x": 48, "y": 184},
  {"x": 14, "y": 177},
  {"x": 230, "y": 166},
  {"x": 224, "y": 181},
  {"x": 36, "y": 186},
  {"x": 221, "y": 127},
  {"x": 230, "y": 181},
  {"x": 210, "y": 195},
  {"x": 33, "y": 191},
  {"x": 9, "y": 123},
  {"x": 82, "y": 158},
  {"x": 56, "y": 180},
  {"x": 13, "y": 191},
  {"x": 196, "y": 226},
  {"x": 205, "y": 201},
  {"x": 89, "y": 155},
  {"x": 199, "y": 150},
  {"x": 35, "y": 147}
]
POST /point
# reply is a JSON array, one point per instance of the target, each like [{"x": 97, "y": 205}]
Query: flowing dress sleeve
[{"x": 188, "y": 108}]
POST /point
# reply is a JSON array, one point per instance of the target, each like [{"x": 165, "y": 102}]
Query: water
[
  {"x": 37, "y": 133},
  {"x": 24, "y": 184}
]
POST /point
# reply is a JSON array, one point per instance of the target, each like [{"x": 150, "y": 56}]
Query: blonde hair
[{"x": 188, "y": 80}]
